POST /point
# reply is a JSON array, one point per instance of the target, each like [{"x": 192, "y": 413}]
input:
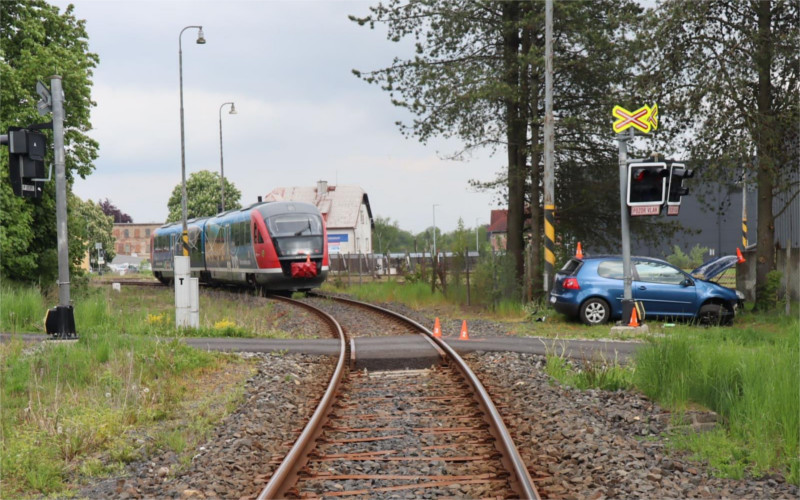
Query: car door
[{"x": 664, "y": 290}]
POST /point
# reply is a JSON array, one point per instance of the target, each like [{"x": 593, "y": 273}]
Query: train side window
[{"x": 257, "y": 235}]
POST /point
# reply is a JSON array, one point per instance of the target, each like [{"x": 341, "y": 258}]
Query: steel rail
[
  {"x": 297, "y": 457},
  {"x": 521, "y": 482}
]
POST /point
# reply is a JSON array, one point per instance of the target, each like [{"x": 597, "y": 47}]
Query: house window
[
  {"x": 147, "y": 233},
  {"x": 126, "y": 234}
]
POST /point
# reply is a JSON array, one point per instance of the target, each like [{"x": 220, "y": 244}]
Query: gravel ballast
[
  {"x": 598, "y": 444},
  {"x": 579, "y": 444}
]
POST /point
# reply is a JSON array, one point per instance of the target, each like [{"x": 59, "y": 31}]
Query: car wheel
[
  {"x": 595, "y": 312},
  {"x": 713, "y": 315}
]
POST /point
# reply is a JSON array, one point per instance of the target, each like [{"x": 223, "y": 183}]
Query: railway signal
[
  {"x": 26, "y": 152},
  {"x": 647, "y": 187},
  {"x": 676, "y": 190}
]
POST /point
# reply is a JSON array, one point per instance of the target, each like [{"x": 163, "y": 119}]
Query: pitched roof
[
  {"x": 499, "y": 222},
  {"x": 339, "y": 205}
]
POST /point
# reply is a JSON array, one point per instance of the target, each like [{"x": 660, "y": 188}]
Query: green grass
[
  {"x": 65, "y": 401},
  {"x": 595, "y": 374},
  {"x": 21, "y": 309},
  {"x": 144, "y": 311},
  {"x": 412, "y": 294},
  {"x": 749, "y": 375}
]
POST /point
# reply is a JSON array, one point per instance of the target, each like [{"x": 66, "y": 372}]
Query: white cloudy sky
[{"x": 302, "y": 115}]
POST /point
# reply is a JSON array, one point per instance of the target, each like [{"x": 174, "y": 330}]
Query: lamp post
[
  {"x": 221, "y": 167},
  {"x": 434, "y": 229},
  {"x": 185, "y": 236}
]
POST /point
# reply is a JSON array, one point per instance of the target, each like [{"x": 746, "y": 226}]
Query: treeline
[{"x": 723, "y": 73}]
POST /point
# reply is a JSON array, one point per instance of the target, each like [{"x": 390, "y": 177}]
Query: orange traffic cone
[
  {"x": 437, "y": 329},
  {"x": 740, "y": 257},
  {"x": 464, "y": 334},
  {"x": 579, "y": 252},
  {"x": 634, "y": 318}
]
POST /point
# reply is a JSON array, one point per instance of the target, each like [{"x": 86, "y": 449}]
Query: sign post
[{"x": 643, "y": 119}]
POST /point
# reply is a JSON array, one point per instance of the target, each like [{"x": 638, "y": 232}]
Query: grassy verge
[
  {"x": 749, "y": 375},
  {"x": 143, "y": 311},
  {"x": 123, "y": 391},
  {"x": 73, "y": 409},
  {"x": 596, "y": 374}
]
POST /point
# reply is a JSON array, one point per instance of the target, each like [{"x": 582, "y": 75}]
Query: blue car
[{"x": 592, "y": 289}]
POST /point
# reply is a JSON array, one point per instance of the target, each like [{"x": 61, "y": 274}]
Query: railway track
[{"x": 423, "y": 433}]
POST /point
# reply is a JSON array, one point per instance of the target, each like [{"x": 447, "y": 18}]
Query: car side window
[
  {"x": 655, "y": 272},
  {"x": 610, "y": 269}
]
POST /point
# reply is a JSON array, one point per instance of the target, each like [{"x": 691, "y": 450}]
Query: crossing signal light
[
  {"x": 677, "y": 173},
  {"x": 647, "y": 184},
  {"x": 26, "y": 153}
]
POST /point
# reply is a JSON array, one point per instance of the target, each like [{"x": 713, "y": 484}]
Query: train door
[
  {"x": 260, "y": 246},
  {"x": 229, "y": 248}
]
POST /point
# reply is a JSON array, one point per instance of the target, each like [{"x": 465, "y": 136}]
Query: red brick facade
[{"x": 133, "y": 238}]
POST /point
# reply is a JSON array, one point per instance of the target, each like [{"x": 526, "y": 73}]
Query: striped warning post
[
  {"x": 744, "y": 231},
  {"x": 549, "y": 242},
  {"x": 185, "y": 239}
]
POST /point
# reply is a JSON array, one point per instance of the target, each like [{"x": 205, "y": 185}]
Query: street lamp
[
  {"x": 434, "y": 229},
  {"x": 185, "y": 236},
  {"x": 221, "y": 168}
]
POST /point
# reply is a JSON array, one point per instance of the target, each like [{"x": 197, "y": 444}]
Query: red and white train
[{"x": 274, "y": 246}]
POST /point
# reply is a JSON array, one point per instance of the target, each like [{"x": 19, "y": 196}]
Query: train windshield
[
  {"x": 294, "y": 225},
  {"x": 296, "y": 234}
]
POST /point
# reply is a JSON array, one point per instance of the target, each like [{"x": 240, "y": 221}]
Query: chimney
[{"x": 322, "y": 187}]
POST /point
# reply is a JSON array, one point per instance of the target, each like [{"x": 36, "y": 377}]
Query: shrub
[{"x": 691, "y": 261}]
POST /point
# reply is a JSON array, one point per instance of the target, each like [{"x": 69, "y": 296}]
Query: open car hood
[{"x": 714, "y": 268}]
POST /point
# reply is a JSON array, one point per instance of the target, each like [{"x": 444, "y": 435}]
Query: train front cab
[{"x": 289, "y": 235}]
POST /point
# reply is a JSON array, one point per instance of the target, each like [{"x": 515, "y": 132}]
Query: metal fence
[{"x": 359, "y": 264}]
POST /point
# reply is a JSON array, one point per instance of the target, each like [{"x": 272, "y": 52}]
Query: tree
[
  {"x": 390, "y": 237},
  {"x": 727, "y": 72},
  {"x": 92, "y": 225},
  {"x": 478, "y": 74},
  {"x": 36, "y": 42},
  {"x": 116, "y": 214},
  {"x": 203, "y": 197},
  {"x": 462, "y": 81}
]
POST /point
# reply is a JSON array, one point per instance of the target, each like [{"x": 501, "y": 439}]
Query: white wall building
[{"x": 345, "y": 209}]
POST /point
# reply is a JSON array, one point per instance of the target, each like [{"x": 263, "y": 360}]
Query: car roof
[{"x": 618, "y": 257}]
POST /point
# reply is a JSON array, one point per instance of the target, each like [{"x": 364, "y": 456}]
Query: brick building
[{"x": 132, "y": 238}]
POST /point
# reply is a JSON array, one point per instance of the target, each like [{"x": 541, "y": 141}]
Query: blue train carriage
[{"x": 165, "y": 243}]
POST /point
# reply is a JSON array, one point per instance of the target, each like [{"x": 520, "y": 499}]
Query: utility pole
[
  {"x": 62, "y": 325},
  {"x": 549, "y": 146}
]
